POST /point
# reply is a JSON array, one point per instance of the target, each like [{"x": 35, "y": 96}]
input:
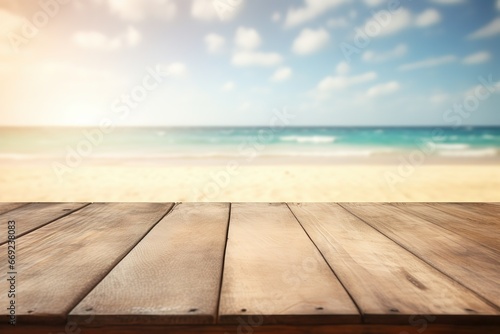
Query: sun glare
[{"x": 82, "y": 115}]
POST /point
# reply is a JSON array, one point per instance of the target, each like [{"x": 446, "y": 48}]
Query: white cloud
[
  {"x": 252, "y": 58},
  {"x": 477, "y": 58},
  {"x": 176, "y": 69},
  {"x": 339, "y": 22},
  {"x": 97, "y": 40},
  {"x": 478, "y": 88},
  {"x": 341, "y": 82},
  {"x": 498, "y": 4},
  {"x": 383, "y": 23},
  {"x": 228, "y": 86},
  {"x": 399, "y": 51},
  {"x": 133, "y": 37},
  {"x": 427, "y": 63},
  {"x": 68, "y": 69},
  {"x": 310, "y": 10},
  {"x": 448, "y": 2},
  {"x": 310, "y": 41},
  {"x": 5, "y": 51},
  {"x": 439, "y": 98},
  {"x": 282, "y": 74},
  {"x": 383, "y": 89},
  {"x": 93, "y": 40},
  {"x": 247, "y": 41},
  {"x": 138, "y": 10},
  {"x": 343, "y": 68},
  {"x": 427, "y": 18},
  {"x": 374, "y": 3},
  {"x": 473, "y": 91},
  {"x": 215, "y": 43},
  {"x": 276, "y": 17},
  {"x": 9, "y": 25},
  {"x": 245, "y": 106},
  {"x": 400, "y": 20},
  {"x": 211, "y": 10},
  {"x": 203, "y": 10},
  {"x": 491, "y": 29},
  {"x": 247, "y": 38},
  {"x": 9, "y": 21}
]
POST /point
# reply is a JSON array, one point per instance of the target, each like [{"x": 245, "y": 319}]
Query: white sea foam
[
  {"x": 488, "y": 136},
  {"x": 309, "y": 139},
  {"x": 21, "y": 156},
  {"x": 472, "y": 153},
  {"x": 341, "y": 152},
  {"x": 231, "y": 154},
  {"x": 457, "y": 146}
]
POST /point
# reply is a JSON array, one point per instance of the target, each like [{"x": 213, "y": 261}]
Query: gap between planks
[
  {"x": 171, "y": 277},
  {"x": 85, "y": 294},
  {"x": 349, "y": 207},
  {"x": 328, "y": 263},
  {"x": 33, "y": 216},
  {"x": 366, "y": 261}
]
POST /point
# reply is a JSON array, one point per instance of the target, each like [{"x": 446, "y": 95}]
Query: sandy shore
[{"x": 252, "y": 183}]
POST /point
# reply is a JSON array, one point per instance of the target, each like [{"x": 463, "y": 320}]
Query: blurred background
[{"x": 238, "y": 100}]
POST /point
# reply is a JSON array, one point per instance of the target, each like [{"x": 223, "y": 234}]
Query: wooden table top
[{"x": 250, "y": 267}]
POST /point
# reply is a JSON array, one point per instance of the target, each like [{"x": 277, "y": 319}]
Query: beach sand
[{"x": 266, "y": 183}]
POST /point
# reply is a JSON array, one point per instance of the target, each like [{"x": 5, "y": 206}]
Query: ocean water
[{"x": 249, "y": 143}]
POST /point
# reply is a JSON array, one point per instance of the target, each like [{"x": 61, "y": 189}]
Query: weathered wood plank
[
  {"x": 273, "y": 273},
  {"x": 388, "y": 283},
  {"x": 466, "y": 261},
  {"x": 416, "y": 325},
  {"x": 484, "y": 232},
  {"x": 58, "y": 264},
  {"x": 5, "y": 207},
  {"x": 171, "y": 277},
  {"x": 475, "y": 212},
  {"x": 31, "y": 216}
]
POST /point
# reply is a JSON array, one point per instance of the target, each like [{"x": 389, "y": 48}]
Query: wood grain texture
[
  {"x": 61, "y": 262},
  {"x": 31, "y": 216},
  {"x": 5, "y": 207},
  {"x": 483, "y": 213},
  {"x": 416, "y": 325},
  {"x": 485, "y": 232},
  {"x": 388, "y": 283},
  {"x": 466, "y": 261},
  {"x": 171, "y": 277},
  {"x": 273, "y": 273}
]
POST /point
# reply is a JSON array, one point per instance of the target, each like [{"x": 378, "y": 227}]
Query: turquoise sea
[{"x": 330, "y": 143}]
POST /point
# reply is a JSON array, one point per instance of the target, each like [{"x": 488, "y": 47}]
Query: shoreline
[
  {"x": 256, "y": 183},
  {"x": 405, "y": 158}
]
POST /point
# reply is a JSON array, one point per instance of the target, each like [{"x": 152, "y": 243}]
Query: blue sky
[{"x": 235, "y": 62}]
